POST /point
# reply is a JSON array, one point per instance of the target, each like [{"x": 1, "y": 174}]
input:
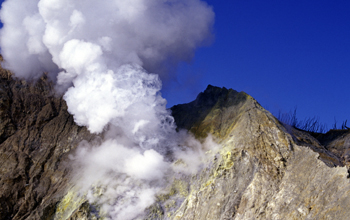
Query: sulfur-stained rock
[{"x": 262, "y": 170}]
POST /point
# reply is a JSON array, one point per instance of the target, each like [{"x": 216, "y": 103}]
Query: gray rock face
[
  {"x": 263, "y": 169},
  {"x": 337, "y": 142}
]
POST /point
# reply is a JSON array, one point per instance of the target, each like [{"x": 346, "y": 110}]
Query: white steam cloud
[{"x": 101, "y": 53}]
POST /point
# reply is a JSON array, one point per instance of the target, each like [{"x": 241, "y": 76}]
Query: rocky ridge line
[{"x": 263, "y": 170}]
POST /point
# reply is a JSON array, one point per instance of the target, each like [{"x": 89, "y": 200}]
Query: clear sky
[{"x": 283, "y": 53}]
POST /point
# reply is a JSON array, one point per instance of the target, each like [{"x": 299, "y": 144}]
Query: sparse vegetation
[
  {"x": 311, "y": 124},
  {"x": 343, "y": 125}
]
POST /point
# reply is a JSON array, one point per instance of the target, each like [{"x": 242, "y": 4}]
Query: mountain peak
[
  {"x": 259, "y": 165},
  {"x": 205, "y": 111}
]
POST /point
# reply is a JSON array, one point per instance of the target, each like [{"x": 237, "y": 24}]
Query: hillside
[
  {"x": 262, "y": 170},
  {"x": 37, "y": 134}
]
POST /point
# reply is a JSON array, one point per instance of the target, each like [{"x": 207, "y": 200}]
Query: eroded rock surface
[
  {"x": 263, "y": 169},
  {"x": 36, "y": 133},
  {"x": 337, "y": 142}
]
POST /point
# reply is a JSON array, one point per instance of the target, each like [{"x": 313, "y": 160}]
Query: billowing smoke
[{"x": 101, "y": 54}]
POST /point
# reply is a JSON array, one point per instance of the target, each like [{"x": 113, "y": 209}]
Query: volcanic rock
[
  {"x": 36, "y": 134},
  {"x": 263, "y": 169}
]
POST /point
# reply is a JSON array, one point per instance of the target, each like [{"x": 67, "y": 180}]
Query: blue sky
[{"x": 285, "y": 54}]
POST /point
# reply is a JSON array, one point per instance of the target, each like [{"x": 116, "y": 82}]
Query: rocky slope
[
  {"x": 36, "y": 133},
  {"x": 263, "y": 169}
]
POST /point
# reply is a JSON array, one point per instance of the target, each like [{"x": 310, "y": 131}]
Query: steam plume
[{"x": 101, "y": 55}]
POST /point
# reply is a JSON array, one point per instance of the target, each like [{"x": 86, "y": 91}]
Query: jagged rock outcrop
[
  {"x": 262, "y": 170},
  {"x": 338, "y": 142},
  {"x": 36, "y": 133}
]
